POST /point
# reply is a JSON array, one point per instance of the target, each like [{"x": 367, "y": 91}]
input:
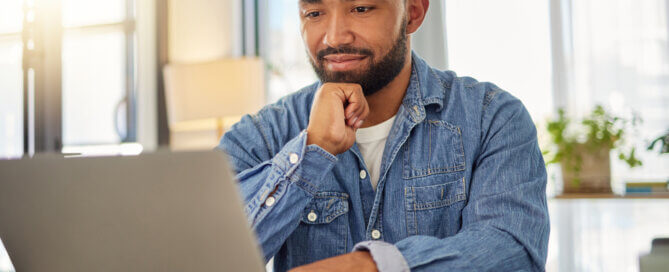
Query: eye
[
  {"x": 362, "y": 9},
  {"x": 313, "y": 14}
]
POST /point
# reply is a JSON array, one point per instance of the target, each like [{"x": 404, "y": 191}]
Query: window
[
  {"x": 506, "y": 43},
  {"x": 11, "y": 79},
  {"x": 90, "y": 76},
  {"x": 616, "y": 54},
  {"x": 97, "y": 70},
  {"x": 288, "y": 64},
  {"x": 621, "y": 61}
]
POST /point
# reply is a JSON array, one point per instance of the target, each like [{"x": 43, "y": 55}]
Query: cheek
[
  {"x": 312, "y": 40},
  {"x": 379, "y": 37}
]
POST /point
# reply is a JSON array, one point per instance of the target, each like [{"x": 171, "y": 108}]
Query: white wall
[
  {"x": 203, "y": 30},
  {"x": 430, "y": 39}
]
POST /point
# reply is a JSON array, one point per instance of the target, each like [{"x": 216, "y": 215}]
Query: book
[{"x": 647, "y": 188}]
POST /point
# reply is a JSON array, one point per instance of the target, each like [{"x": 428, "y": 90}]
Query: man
[{"x": 386, "y": 163}]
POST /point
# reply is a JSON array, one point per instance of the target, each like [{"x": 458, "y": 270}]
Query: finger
[
  {"x": 360, "y": 117},
  {"x": 354, "y": 94},
  {"x": 356, "y": 114},
  {"x": 357, "y": 101},
  {"x": 351, "y": 122},
  {"x": 344, "y": 91},
  {"x": 364, "y": 111},
  {"x": 359, "y": 123},
  {"x": 353, "y": 109},
  {"x": 354, "y": 101}
]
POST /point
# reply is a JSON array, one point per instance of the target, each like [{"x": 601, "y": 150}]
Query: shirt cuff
[
  {"x": 304, "y": 165},
  {"x": 386, "y": 256}
]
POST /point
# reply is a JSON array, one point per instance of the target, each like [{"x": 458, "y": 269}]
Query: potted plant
[
  {"x": 583, "y": 149},
  {"x": 664, "y": 143}
]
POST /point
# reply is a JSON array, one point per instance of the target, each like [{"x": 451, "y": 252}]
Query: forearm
[
  {"x": 276, "y": 191},
  {"x": 481, "y": 249},
  {"x": 488, "y": 241}
]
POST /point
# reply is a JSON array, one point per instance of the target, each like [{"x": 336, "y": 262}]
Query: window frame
[{"x": 42, "y": 75}]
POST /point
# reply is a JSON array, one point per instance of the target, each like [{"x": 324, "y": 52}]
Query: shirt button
[
  {"x": 269, "y": 202},
  {"x": 363, "y": 174},
  {"x": 293, "y": 158},
  {"x": 312, "y": 216},
  {"x": 376, "y": 234}
]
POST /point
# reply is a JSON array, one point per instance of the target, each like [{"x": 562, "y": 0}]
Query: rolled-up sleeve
[
  {"x": 276, "y": 188},
  {"x": 386, "y": 256}
]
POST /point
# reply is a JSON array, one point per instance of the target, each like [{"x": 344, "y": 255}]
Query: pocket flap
[
  {"x": 325, "y": 207},
  {"x": 435, "y": 196}
]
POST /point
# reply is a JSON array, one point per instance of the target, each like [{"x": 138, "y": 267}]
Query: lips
[{"x": 343, "y": 62}]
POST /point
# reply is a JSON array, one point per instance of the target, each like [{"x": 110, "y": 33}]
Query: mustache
[{"x": 343, "y": 50}]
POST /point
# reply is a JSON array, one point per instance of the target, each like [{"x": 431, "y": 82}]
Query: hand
[
  {"x": 339, "y": 109},
  {"x": 354, "y": 261}
]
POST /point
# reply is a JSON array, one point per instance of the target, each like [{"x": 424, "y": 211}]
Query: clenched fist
[{"x": 338, "y": 110}]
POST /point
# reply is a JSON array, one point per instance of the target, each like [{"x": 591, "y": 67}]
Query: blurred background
[{"x": 121, "y": 77}]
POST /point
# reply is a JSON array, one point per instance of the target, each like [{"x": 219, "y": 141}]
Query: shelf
[{"x": 614, "y": 196}]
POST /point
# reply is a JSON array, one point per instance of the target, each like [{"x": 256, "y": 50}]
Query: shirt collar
[{"x": 425, "y": 88}]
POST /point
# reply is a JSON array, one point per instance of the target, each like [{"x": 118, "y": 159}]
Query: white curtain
[
  {"x": 620, "y": 59},
  {"x": 430, "y": 39},
  {"x": 504, "y": 42}
]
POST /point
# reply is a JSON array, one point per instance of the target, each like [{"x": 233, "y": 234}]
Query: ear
[{"x": 416, "y": 10}]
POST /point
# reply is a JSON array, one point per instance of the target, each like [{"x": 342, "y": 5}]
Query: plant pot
[{"x": 594, "y": 175}]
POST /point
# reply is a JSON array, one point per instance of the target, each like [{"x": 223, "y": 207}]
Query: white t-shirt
[{"x": 371, "y": 142}]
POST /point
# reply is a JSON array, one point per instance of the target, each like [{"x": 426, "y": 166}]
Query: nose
[{"x": 338, "y": 31}]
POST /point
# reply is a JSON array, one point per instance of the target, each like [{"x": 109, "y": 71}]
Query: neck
[{"x": 385, "y": 103}]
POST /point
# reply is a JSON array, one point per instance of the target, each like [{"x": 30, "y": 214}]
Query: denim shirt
[{"x": 462, "y": 183}]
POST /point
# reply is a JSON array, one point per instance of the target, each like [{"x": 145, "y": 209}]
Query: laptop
[{"x": 152, "y": 212}]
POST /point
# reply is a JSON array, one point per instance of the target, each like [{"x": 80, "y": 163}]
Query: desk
[{"x": 604, "y": 232}]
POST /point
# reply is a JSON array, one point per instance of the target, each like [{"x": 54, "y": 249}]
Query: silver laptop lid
[{"x": 154, "y": 212}]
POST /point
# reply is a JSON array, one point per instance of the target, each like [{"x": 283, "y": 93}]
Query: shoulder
[
  {"x": 459, "y": 92},
  {"x": 485, "y": 93},
  {"x": 486, "y": 97},
  {"x": 484, "y": 105}
]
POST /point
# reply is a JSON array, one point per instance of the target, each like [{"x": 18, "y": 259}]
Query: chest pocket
[
  {"x": 323, "y": 230},
  {"x": 435, "y": 148},
  {"x": 435, "y": 210},
  {"x": 325, "y": 208},
  {"x": 434, "y": 187}
]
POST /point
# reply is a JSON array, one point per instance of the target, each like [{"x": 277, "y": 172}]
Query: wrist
[{"x": 313, "y": 139}]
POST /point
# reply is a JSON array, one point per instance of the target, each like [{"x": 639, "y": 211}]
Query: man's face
[{"x": 355, "y": 41}]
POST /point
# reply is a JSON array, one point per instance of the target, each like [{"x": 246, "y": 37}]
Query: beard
[{"x": 376, "y": 75}]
